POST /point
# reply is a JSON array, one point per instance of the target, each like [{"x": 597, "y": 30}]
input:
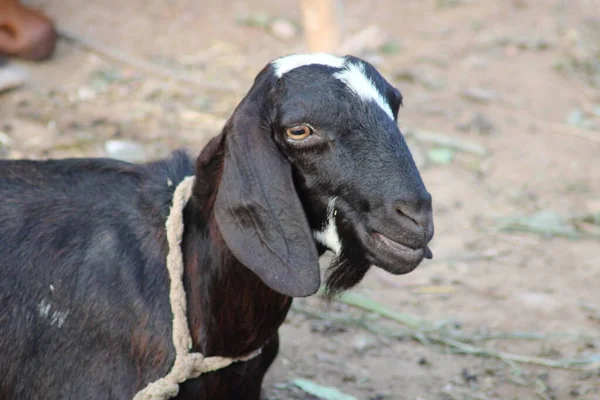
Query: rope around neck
[{"x": 187, "y": 365}]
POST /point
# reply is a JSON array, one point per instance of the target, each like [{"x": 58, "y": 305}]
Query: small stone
[
  {"x": 479, "y": 95},
  {"x": 363, "y": 343},
  {"x": 11, "y": 77},
  {"x": 86, "y": 93},
  {"x": 284, "y": 30},
  {"x": 125, "y": 150},
  {"x": 5, "y": 140}
]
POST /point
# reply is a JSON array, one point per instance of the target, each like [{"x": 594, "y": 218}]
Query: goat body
[
  {"x": 85, "y": 291},
  {"x": 84, "y": 307}
]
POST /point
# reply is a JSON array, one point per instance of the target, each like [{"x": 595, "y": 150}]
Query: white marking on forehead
[
  {"x": 355, "y": 78},
  {"x": 329, "y": 235},
  {"x": 288, "y": 63},
  {"x": 353, "y": 75}
]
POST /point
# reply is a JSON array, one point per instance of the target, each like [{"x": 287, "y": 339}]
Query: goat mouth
[
  {"x": 393, "y": 257},
  {"x": 378, "y": 249}
]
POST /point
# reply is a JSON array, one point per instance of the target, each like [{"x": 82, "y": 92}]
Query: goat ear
[{"x": 257, "y": 208}]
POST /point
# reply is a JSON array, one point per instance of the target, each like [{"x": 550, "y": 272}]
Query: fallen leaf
[
  {"x": 322, "y": 392},
  {"x": 259, "y": 20},
  {"x": 575, "y": 118},
  {"x": 545, "y": 222},
  {"x": 441, "y": 155}
]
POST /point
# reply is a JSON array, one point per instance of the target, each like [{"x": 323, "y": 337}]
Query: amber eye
[{"x": 298, "y": 132}]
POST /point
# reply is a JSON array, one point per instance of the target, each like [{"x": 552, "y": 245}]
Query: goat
[{"x": 310, "y": 160}]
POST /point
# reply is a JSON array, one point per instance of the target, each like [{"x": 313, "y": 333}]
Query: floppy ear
[{"x": 257, "y": 208}]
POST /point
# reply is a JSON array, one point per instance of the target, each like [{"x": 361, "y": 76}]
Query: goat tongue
[{"x": 428, "y": 254}]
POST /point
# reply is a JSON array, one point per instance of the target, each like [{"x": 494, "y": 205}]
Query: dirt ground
[{"x": 518, "y": 81}]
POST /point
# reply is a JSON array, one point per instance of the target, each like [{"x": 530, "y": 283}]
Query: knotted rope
[{"x": 187, "y": 365}]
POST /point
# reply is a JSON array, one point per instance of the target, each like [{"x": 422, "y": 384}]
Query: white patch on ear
[
  {"x": 288, "y": 63},
  {"x": 354, "y": 77},
  {"x": 328, "y": 237}
]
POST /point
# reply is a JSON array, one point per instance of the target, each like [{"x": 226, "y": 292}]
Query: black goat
[{"x": 311, "y": 159}]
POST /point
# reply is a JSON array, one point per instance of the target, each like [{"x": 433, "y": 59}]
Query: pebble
[
  {"x": 361, "y": 343},
  {"x": 12, "y": 76},
  {"x": 5, "y": 140},
  {"x": 125, "y": 150}
]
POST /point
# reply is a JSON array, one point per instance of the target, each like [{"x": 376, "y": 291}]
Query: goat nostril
[
  {"x": 416, "y": 209},
  {"x": 405, "y": 215}
]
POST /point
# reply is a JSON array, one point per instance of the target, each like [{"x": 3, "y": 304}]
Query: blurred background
[{"x": 502, "y": 114}]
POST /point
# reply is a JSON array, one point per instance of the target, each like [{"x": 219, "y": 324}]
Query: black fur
[{"x": 84, "y": 308}]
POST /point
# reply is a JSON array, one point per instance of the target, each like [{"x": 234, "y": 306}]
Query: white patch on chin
[
  {"x": 354, "y": 77},
  {"x": 329, "y": 237},
  {"x": 288, "y": 63}
]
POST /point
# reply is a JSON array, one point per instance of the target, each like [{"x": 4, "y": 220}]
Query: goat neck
[{"x": 231, "y": 311}]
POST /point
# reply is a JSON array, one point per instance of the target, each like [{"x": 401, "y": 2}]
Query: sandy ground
[{"x": 518, "y": 78}]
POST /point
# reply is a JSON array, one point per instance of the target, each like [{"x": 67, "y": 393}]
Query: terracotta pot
[{"x": 24, "y": 32}]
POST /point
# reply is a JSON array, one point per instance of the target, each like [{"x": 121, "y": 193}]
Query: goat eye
[{"x": 298, "y": 132}]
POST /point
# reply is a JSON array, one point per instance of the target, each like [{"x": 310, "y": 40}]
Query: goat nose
[{"x": 417, "y": 210}]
